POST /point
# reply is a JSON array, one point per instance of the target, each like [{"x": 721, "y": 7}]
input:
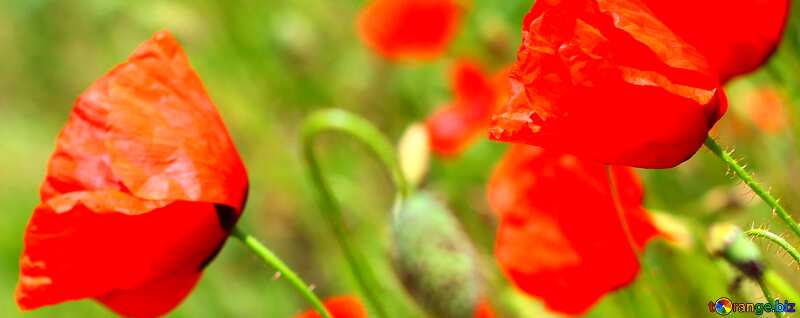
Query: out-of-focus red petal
[
  {"x": 409, "y": 29},
  {"x": 560, "y": 238},
  {"x": 767, "y": 109},
  {"x": 453, "y": 127},
  {"x": 140, "y": 194},
  {"x": 484, "y": 310},
  {"x": 340, "y": 307},
  {"x": 607, "y": 81},
  {"x": 737, "y": 36},
  {"x": 80, "y": 253}
]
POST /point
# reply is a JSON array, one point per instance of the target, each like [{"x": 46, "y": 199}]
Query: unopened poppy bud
[
  {"x": 414, "y": 151},
  {"x": 435, "y": 259},
  {"x": 728, "y": 241}
]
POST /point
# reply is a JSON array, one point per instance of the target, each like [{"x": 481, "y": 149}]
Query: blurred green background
[{"x": 267, "y": 64}]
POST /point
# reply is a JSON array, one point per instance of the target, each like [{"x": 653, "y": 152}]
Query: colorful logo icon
[{"x": 723, "y": 306}]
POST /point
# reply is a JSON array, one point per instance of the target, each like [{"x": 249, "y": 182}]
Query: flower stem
[
  {"x": 364, "y": 131},
  {"x": 776, "y": 282},
  {"x": 614, "y": 190},
  {"x": 762, "y": 233},
  {"x": 768, "y": 296},
  {"x": 750, "y": 182},
  {"x": 271, "y": 259}
]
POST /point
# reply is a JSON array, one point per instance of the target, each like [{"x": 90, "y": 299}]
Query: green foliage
[{"x": 267, "y": 64}]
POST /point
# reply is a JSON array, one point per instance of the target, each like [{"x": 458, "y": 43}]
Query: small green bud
[
  {"x": 728, "y": 241},
  {"x": 435, "y": 259}
]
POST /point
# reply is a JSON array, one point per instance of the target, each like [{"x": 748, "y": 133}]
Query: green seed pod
[
  {"x": 435, "y": 259},
  {"x": 729, "y": 242}
]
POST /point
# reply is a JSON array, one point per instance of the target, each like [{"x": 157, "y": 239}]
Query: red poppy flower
[
  {"x": 339, "y": 307},
  {"x": 409, "y": 29},
  {"x": 736, "y": 36},
  {"x": 560, "y": 238},
  {"x": 607, "y": 81},
  {"x": 476, "y": 95},
  {"x": 141, "y": 191}
]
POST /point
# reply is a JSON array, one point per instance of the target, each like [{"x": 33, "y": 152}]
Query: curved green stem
[
  {"x": 270, "y": 258},
  {"x": 750, "y": 182},
  {"x": 768, "y": 296},
  {"x": 364, "y": 131},
  {"x": 761, "y": 233}
]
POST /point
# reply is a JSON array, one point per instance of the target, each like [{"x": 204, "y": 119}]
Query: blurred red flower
[
  {"x": 560, "y": 237},
  {"x": 736, "y": 36},
  {"x": 485, "y": 310},
  {"x": 476, "y": 95},
  {"x": 608, "y": 81},
  {"x": 409, "y": 29},
  {"x": 767, "y": 108},
  {"x": 141, "y": 192},
  {"x": 340, "y": 307}
]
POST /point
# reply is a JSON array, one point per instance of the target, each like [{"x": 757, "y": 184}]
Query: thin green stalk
[
  {"x": 768, "y": 296},
  {"x": 762, "y": 233},
  {"x": 780, "y": 285},
  {"x": 750, "y": 182},
  {"x": 612, "y": 184},
  {"x": 361, "y": 129},
  {"x": 271, "y": 259}
]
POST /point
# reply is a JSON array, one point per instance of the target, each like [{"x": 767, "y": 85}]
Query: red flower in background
[
  {"x": 767, "y": 109},
  {"x": 560, "y": 238},
  {"x": 736, "y": 36},
  {"x": 339, "y": 307},
  {"x": 606, "y": 80},
  {"x": 141, "y": 192},
  {"x": 409, "y": 29},
  {"x": 485, "y": 310},
  {"x": 453, "y": 127}
]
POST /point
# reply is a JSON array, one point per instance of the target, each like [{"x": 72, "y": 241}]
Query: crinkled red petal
[
  {"x": 140, "y": 194},
  {"x": 607, "y": 81}
]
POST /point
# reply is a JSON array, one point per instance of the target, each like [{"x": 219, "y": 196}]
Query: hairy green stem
[
  {"x": 362, "y": 130},
  {"x": 768, "y": 296},
  {"x": 750, "y": 182},
  {"x": 271, "y": 259},
  {"x": 762, "y": 233}
]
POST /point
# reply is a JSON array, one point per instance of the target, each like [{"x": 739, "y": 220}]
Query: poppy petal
[
  {"x": 560, "y": 238},
  {"x": 453, "y": 127},
  {"x": 409, "y": 29},
  {"x": 339, "y": 307},
  {"x": 736, "y": 36},
  {"x": 607, "y": 81},
  {"x": 160, "y": 296},
  {"x": 79, "y": 253},
  {"x": 141, "y": 191},
  {"x": 166, "y": 139}
]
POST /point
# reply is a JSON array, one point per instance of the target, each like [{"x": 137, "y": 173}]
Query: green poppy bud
[
  {"x": 729, "y": 242},
  {"x": 435, "y": 259}
]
